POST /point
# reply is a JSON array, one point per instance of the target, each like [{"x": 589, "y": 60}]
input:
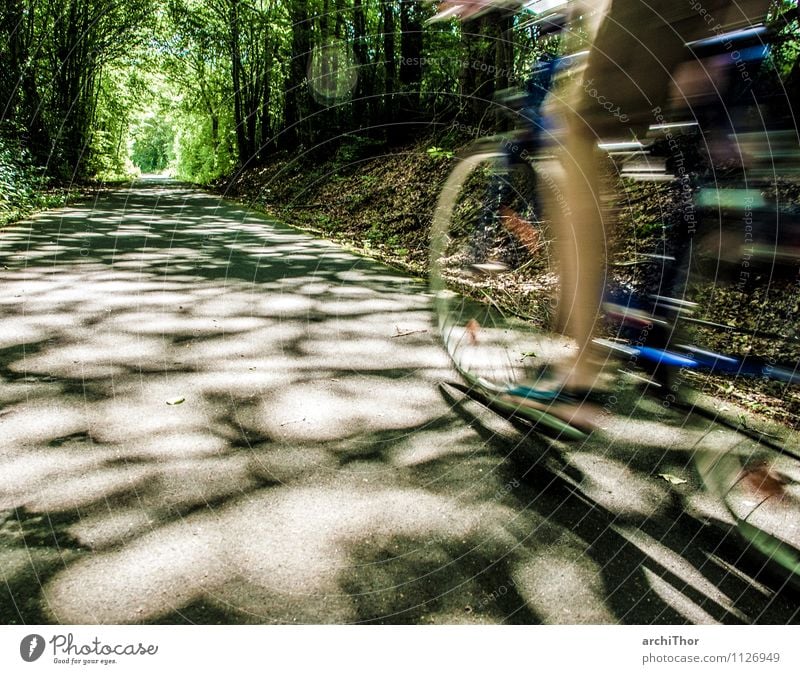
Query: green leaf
[
  {"x": 439, "y": 153},
  {"x": 175, "y": 401}
]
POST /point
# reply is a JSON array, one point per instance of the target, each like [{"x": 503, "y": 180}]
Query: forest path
[{"x": 211, "y": 417}]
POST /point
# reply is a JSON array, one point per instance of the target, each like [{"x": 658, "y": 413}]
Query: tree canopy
[{"x": 97, "y": 88}]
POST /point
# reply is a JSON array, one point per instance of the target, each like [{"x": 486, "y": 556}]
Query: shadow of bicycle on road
[{"x": 209, "y": 417}]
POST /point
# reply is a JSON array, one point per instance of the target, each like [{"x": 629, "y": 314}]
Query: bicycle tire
[
  {"x": 495, "y": 283},
  {"x": 758, "y": 481},
  {"x": 760, "y": 489}
]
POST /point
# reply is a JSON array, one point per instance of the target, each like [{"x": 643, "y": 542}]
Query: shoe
[
  {"x": 581, "y": 408},
  {"x": 562, "y": 394}
]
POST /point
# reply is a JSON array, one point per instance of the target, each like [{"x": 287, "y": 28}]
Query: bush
[
  {"x": 23, "y": 187},
  {"x": 19, "y": 184}
]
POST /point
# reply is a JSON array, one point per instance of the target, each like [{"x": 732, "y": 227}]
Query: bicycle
[{"x": 495, "y": 279}]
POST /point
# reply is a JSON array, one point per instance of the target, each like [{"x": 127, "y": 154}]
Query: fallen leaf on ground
[
  {"x": 672, "y": 479},
  {"x": 472, "y": 327},
  {"x": 762, "y": 479}
]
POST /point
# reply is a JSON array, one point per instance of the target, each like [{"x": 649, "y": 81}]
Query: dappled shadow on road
[{"x": 207, "y": 417}]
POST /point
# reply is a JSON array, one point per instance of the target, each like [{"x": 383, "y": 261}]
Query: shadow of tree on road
[{"x": 208, "y": 417}]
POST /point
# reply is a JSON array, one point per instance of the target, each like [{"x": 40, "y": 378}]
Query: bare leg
[
  {"x": 582, "y": 247},
  {"x": 569, "y": 189}
]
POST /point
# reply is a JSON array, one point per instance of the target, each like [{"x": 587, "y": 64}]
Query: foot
[
  {"x": 579, "y": 406},
  {"x": 582, "y": 412}
]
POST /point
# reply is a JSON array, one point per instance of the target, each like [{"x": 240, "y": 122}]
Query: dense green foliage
[
  {"x": 23, "y": 187},
  {"x": 203, "y": 86},
  {"x": 18, "y": 181},
  {"x": 102, "y": 88},
  {"x": 55, "y": 80}
]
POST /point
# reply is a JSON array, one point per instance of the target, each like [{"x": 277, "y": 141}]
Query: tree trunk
[
  {"x": 410, "y": 56},
  {"x": 12, "y": 55},
  {"x": 72, "y": 95},
  {"x": 360, "y": 100},
  {"x": 296, "y": 102},
  {"x": 504, "y": 53},
  {"x": 266, "y": 103},
  {"x": 236, "y": 75},
  {"x": 478, "y": 74},
  {"x": 390, "y": 61}
]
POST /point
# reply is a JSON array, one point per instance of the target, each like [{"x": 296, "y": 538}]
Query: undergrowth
[{"x": 23, "y": 189}]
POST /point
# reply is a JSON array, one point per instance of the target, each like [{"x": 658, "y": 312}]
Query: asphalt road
[{"x": 208, "y": 417}]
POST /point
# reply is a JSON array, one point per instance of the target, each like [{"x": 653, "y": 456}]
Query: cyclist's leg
[
  {"x": 623, "y": 85},
  {"x": 605, "y": 100},
  {"x": 570, "y": 193}
]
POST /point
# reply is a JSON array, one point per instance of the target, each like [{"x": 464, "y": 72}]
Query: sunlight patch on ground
[
  {"x": 338, "y": 409},
  {"x": 277, "y": 556},
  {"x": 39, "y": 422},
  {"x": 543, "y": 581},
  {"x": 618, "y": 487}
]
